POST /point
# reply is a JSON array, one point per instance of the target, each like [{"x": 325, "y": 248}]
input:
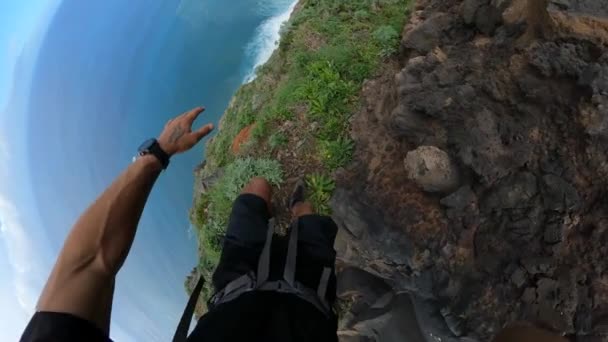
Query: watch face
[{"x": 147, "y": 145}]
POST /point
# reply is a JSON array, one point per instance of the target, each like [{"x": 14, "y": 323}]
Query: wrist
[
  {"x": 164, "y": 146},
  {"x": 153, "y": 148}
]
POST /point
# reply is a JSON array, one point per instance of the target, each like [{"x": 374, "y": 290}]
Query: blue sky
[
  {"x": 21, "y": 24},
  {"x": 82, "y": 83},
  {"x": 19, "y": 20}
]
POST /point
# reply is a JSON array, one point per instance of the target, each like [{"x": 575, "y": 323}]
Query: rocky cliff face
[{"x": 478, "y": 195}]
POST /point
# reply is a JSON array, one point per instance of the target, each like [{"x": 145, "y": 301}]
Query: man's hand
[{"x": 178, "y": 137}]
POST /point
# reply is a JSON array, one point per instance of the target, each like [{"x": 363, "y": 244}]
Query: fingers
[
  {"x": 203, "y": 131},
  {"x": 193, "y": 114}
]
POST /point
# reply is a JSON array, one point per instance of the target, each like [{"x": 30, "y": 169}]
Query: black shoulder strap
[{"x": 181, "y": 334}]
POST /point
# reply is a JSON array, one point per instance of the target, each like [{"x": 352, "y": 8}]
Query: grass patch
[
  {"x": 336, "y": 152},
  {"x": 277, "y": 140},
  {"x": 387, "y": 37},
  {"x": 320, "y": 188}
]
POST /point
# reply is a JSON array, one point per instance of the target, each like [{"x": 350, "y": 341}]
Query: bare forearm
[
  {"x": 83, "y": 277},
  {"x": 103, "y": 235}
]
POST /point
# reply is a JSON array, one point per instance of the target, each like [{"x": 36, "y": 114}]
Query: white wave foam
[{"x": 266, "y": 40}]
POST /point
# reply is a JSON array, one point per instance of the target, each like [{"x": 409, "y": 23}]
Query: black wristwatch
[{"x": 152, "y": 147}]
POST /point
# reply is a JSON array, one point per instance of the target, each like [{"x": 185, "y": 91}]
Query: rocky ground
[{"x": 478, "y": 195}]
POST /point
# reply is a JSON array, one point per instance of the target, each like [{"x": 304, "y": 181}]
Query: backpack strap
[
  {"x": 264, "y": 262},
  {"x": 181, "y": 334},
  {"x": 324, "y": 283},
  {"x": 289, "y": 274}
]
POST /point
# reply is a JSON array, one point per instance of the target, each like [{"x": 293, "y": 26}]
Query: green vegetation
[
  {"x": 277, "y": 140},
  {"x": 319, "y": 191},
  {"x": 310, "y": 85},
  {"x": 336, "y": 153},
  {"x": 329, "y": 48},
  {"x": 387, "y": 37}
]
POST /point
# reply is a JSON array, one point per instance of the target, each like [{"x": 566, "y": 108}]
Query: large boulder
[
  {"x": 426, "y": 35},
  {"x": 432, "y": 169},
  {"x": 484, "y": 14}
]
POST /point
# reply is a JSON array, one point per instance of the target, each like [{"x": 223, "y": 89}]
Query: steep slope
[{"x": 498, "y": 110}]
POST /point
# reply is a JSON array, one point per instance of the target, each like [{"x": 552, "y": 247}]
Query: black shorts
[{"x": 246, "y": 236}]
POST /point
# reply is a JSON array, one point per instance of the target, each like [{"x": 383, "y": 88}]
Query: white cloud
[
  {"x": 20, "y": 255},
  {"x": 20, "y": 277},
  {"x": 21, "y": 286}
]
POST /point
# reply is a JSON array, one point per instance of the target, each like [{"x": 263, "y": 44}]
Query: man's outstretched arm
[{"x": 82, "y": 280}]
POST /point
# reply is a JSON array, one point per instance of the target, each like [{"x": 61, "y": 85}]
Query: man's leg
[
  {"x": 316, "y": 237},
  {"x": 246, "y": 233},
  {"x": 301, "y": 209},
  {"x": 259, "y": 187},
  {"x": 316, "y": 232}
]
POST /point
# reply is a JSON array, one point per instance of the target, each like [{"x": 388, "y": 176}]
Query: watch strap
[
  {"x": 155, "y": 150},
  {"x": 159, "y": 153}
]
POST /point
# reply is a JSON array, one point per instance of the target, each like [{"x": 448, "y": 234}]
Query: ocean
[{"x": 109, "y": 74}]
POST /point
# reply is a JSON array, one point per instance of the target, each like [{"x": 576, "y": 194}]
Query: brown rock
[
  {"x": 527, "y": 126},
  {"x": 469, "y": 9},
  {"x": 427, "y": 35},
  {"x": 518, "y": 277},
  {"x": 432, "y": 169},
  {"x": 529, "y": 295}
]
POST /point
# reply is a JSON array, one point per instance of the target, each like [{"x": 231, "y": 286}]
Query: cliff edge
[{"x": 479, "y": 182}]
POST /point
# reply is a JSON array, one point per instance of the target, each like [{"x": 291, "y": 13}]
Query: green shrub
[
  {"x": 329, "y": 97},
  {"x": 339, "y": 57},
  {"x": 245, "y": 119},
  {"x": 337, "y": 153},
  {"x": 361, "y": 15},
  {"x": 332, "y": 126},
  {"x": 282, "y": 114},
  {"x": 319, "y": 190},
  {"x": 386, "y": 35},
  {"x": 331, "y": 26},
  {"x": 277, "y": 140},
  {"x": 388, "y": 39},
  {"x": 219, "y": 148},
  {"x": 260, "y": 130}
]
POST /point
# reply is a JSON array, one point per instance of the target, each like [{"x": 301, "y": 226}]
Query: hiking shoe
[{"x": 298, "y": 195}]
